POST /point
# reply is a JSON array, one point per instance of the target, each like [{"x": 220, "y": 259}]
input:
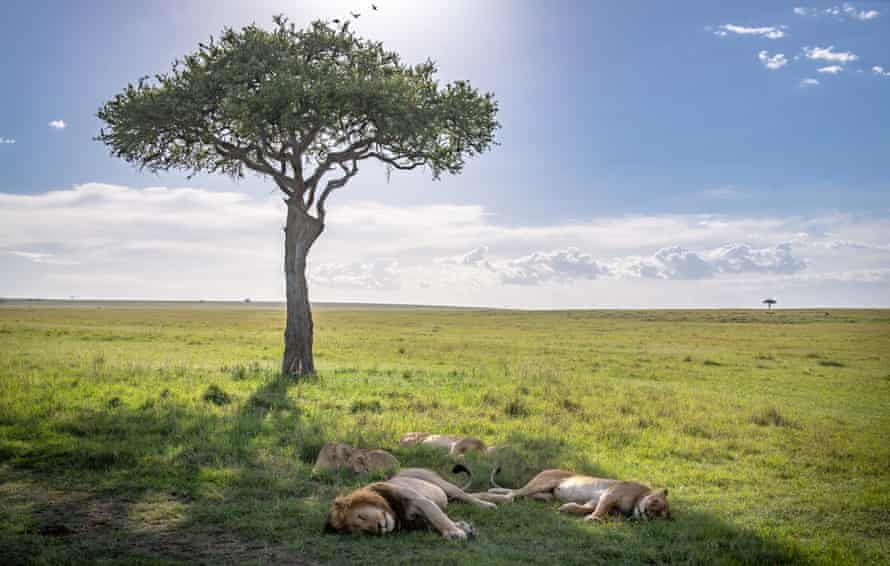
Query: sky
[{"x": 651, "y": 155}]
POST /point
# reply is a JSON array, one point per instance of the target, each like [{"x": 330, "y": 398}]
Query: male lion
[
  {"x": 336, "y": 455},
  {"x": 587, "y": 495},
  {"x": 456, "y": 446},
  {"x": 413, "y": 499}
]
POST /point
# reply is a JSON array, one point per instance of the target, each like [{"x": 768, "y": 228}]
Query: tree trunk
[{"x": 300, "y": 233}]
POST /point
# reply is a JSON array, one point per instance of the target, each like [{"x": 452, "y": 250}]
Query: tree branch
[
  {"x": 260, "y": 165},
  {"x": 351, "y": 153},
  {"x": 334, "y": 184}
]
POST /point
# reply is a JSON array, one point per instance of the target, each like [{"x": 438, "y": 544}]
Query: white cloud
[
  {"x": 6, "y": 141},
  {"x": 560, "y": 266},
  {"x": 831, "y": 69},
  {"x": 830, "y": 55},
  {"x": 772, "y": 62},
  {"x": 879, "y": 70},
  {"x": 378, "y": 274},
  {"x": 769, "y": 32},
  {"x": 111, "y": 241},
  {"x": 861, "y": 15},
  {"x": 57, "y": 124},
  {"x": 743, "y": 258},
  {"x": 809, "y": 82},
  {"x": 839, "y": 12},
  {"x": 477, "y": 257},
  {"x": 677, "y": 262}
]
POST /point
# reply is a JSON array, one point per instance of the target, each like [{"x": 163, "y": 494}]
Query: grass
[{"x": 162, "y": 434}]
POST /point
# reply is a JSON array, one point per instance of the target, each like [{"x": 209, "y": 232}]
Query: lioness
[
  {"x": 587, "y": 495},
  {"x": 413, "y": 499},
  {"x": 456, "y": 446},
  {"x": 336, "y": 455}
]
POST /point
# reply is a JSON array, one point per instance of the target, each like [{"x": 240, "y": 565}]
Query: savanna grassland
[{"x": 163, "y": 434}]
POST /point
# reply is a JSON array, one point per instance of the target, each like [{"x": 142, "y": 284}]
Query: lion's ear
[
  {"x": 663, "y": 492},
  {"x": 341, "y": 503}
]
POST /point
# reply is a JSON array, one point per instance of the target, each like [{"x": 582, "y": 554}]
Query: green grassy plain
[{"x": 772, "y": 432}]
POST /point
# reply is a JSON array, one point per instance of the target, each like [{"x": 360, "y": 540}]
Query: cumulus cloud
[
  {"x": 111, "y": 241},
  {"x": 831, "y": 69},
  {"x": 57, "y": 124},
  {"x": 744, "y": 258},
  {"x": 769, "y": 32},
  {"x": 809, "y": 82},
  {"x": 879, "y": 70},
  {"x": 379, "y": 274},
  {"x": 6, "y": 141},
  {"x": 477, "y": 257},
  {"x": 672, "y": 262},
  {"x": 559, "y": 266},
  {"x": 677, "y": 262},
  {"x": 830, "y": 55},
  {"x": 772, "y": 62}
]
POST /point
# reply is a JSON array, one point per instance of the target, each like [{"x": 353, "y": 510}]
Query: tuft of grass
[
  {"x": 366, "y": 406},
  {"x": 770, "y": 416},
  {"x": 516, "y": 408},
  {"x": 711, "y": 363},
  {"x": 831, "y": 364},
  {"x": 214, "y": 394}
]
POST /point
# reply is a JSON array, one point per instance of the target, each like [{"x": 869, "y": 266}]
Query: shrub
[
  {"x": 217, "y": 396},
  {"x": 516, "y": 408}
]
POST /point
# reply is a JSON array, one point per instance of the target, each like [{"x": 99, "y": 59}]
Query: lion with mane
[{"x": 414, "y": 499}]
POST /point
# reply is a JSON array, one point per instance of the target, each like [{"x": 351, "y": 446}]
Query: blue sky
[{"x": 652, "y": 154}]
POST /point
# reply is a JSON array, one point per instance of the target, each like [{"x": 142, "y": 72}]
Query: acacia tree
[{"x": 304, "y": 107}]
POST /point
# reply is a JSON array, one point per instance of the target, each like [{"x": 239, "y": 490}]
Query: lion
[
  {"x": 336, "y": 455},
  {"x": 456, "y": 446},
  {"x": 413, "y": 499},
  {"x": 587, "y": 495}
]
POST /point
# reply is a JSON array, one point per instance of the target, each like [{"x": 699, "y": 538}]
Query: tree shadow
[{"x": 172, "y": 483}]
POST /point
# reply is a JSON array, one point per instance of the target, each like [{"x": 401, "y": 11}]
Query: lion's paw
[
  {"x": 466, "y": 527},
  {"x": 456, "y": 534}
]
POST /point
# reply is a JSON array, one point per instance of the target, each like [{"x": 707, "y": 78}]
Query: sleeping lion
[
  {"x": 456, "y": 446},
  {"x": 587, "y": 495},
  {"x": 413, "y": 499},
  {"x": 336, "y": 455}
]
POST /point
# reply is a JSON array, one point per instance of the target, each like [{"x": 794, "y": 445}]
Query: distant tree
[
  {"x": 297, "y": 106},
  {"x": 769, "y": 303}
]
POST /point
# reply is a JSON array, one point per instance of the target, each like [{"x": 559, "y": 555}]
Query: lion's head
[
  {"x": 363, "y": 511},
  {"x": 655, "y": 505},
  {"x": 336, "y": 455},
  {"x": 333, "y": 455}
]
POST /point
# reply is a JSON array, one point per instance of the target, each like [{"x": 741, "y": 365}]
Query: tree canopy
[{"x": 298, "y": 105}]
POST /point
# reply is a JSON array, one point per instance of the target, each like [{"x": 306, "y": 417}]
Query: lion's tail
[
  {"x": 461, "y": 469},
  {"x": 494, "y": 484}
]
